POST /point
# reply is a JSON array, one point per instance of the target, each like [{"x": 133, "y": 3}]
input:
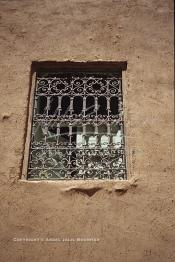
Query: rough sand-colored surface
[{"x": 133, "y": 220}]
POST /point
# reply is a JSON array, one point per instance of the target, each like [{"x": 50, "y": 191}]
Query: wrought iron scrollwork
[{"x": 77, "y": 128}]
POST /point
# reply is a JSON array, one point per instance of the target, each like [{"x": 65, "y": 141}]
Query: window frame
[{"x": 75, "y": 67}]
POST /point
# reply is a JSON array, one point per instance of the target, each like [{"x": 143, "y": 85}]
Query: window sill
[{"x": 89, "y": 187}]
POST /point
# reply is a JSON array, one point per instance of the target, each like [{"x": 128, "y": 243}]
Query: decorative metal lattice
[{"x": 77, "y": 127}]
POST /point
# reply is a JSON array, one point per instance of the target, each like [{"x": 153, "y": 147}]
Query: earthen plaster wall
[{"x": 134, "y": 220}]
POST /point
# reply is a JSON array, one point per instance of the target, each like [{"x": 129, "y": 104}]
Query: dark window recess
[
  {"x": 41, "y": 105},
  {"x": 90, "y": 105},
  {"x": 102, "y": 105},
  {"x": 114, "y": 106},
  {"x": 65, "y": 105},
  {"x": 77, "y": 127},
  {"x": 53, "y": 106},
  {"x": 78, "y": 105}
]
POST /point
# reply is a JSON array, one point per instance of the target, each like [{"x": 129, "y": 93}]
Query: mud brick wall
[{"x": 134, "y": 219}]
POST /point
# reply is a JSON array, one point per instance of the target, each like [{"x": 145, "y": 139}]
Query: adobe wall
[{"x": 133, "y": 220}]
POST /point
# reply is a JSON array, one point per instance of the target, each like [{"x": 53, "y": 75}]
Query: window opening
[{"x": 77, "y": 127}]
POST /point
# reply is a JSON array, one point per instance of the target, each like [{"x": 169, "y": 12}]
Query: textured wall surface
[{"x": 134, "y": 220}]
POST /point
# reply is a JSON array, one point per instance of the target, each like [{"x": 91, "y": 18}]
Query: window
[{"x": 77, "y": 126}]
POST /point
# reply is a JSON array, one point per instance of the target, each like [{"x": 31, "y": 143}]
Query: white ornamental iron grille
[{"x": 77, "y": 127}]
